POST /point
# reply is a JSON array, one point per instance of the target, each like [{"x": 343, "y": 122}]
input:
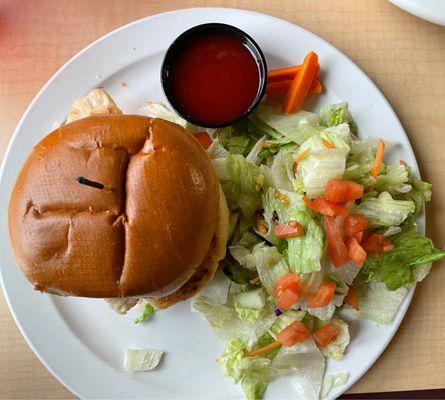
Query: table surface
[{"x": 403, "y": 55}]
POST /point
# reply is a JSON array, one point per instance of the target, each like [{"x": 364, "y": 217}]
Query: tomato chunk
[
  {"x": 287, "y": 290},
  {"x": 286, "y": 298},
  {"x": 289, "y": 281},
  {"x": 338, "y": 190},
  {"x": 326, "y": 207},
  {"x": 355, "y": 223},
  {"x": 387, "y": 246},
  {"x": 323, "y": 296},
  {"x": 289, "y": 230},
  {"x": 204, "y": 139},
  {"x": 352, "y": 299},
  {"x": 374, "y": 243},
  {"x": 336, "y": 246},
  {"x": 296, "y": 332},
  {"x": 325, "y": 335},
  {"x": 356, "y": 252},
  {"x": 358, "y": 236}
]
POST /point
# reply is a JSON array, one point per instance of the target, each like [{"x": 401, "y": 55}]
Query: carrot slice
[
  {"x": 301, "y": 83},
  {"x": 282, "y": 74},
  {"x": 297, "y": 159},
  {"x": 263, "y": 350},
  {"x": 261, "y": 228},
  {"x": 255, "y": 281},
  {"x": 275, "y": 88},
  {"x": 278, "y": 87},
  {"x": 316, "y": 87},
  {"x": 259, "y": 222},
  {"x": 378, "y": 159},
  {"x": 327, "y": 144},
  {"x": 300, "y": 156}
]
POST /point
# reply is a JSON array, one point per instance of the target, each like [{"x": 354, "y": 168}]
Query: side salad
[{"x": 319, "y": 223}]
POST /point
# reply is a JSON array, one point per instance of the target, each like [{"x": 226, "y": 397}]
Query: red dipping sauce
[{"x": 213, "y": 79}]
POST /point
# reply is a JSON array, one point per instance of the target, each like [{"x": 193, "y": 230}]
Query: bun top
[{"x": 145, "y": 232}]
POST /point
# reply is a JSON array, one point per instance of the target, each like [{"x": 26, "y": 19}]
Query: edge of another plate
[{"x": 423, "y": 9}]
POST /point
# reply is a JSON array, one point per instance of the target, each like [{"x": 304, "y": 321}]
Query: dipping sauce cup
[{"x": 213, "y": 75}]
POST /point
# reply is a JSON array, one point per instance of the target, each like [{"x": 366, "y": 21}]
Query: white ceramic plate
[
  {"x": 81, "y": 341},
  {"x": 431, "y": 10}
]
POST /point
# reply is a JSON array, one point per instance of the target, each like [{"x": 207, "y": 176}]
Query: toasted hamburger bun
[
  {"x": 146, "y": 233},
  {"x": 208, "y": 267}
]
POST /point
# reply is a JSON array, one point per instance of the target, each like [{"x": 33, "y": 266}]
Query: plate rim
[{"x": 338, "y": 53}]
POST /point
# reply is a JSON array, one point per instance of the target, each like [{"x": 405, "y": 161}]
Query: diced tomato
[
  {"x": 358, "y": 236},
  {"x": 289, "y": 230},
  {"x": 340, "y": 220},
  {"x": 338, "y": 190},
  {"x": 356, "y": 252},
  {"x": 336, "y": 246},
  {"x": 374, "y": 243},
  {"x": 204, "y": 139},
  {"x": 286, "y": 298},
  {"x": 287, "y": 290},
  {"x": 323, "y": 296},
  {"x": 296, "y": 332},
  {"x": 387, "y": 246},
  {"x": 326, "y": 207},
  {"x": 289, "y": 281},
  {"x": 325, "y": 335},
  {"x": 355, "y": 223},
  {"x": 304, "y": 288},
  {"x": 352, "y": 299}
]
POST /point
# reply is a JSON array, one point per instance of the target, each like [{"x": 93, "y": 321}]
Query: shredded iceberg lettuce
[
  {"x": 302, "y": 363},
  {"x": 337, "y": 347},
  {"x": 271, "y": 265},
  {"x": 393, "y": 179},
  {"x": 386, "y": 211},
  {"x": 216, "y": 150},
  {"x": 254, "y": 299},
  {"x": 379, "y": 304},
  {"x": 294, "y": 127},
  {"x": 303, "y": 253},
  {"x": 332, "y": 381},
  {"x": 266, "y": 165},
  {"x": 148, "y": 311},
  {"x": 317, "y": 168},
  {"x": 246, "y": 183},
  {"x": 400, "y": 267},
  {"x": 159, "y": 110},
  {"x": 335, "y": 114},
  {"x": 138, "y": 360}
]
